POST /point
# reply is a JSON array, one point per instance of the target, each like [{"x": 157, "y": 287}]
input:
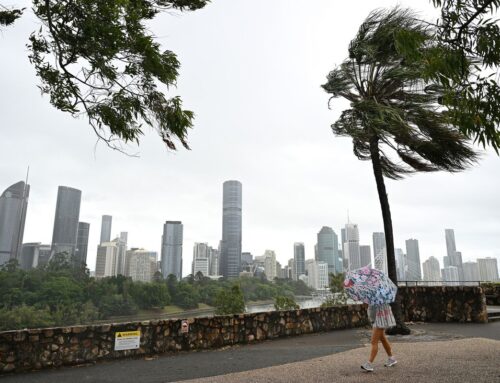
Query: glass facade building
[
  {"x": 65, "y": 232},
  {"x": 327, "y": 249},
  {"x": 230, "y": 255},
  {"x": 82, "y": 242},
  {"x": 13, "y": 206},
  {"x": 171, "y": 249}
]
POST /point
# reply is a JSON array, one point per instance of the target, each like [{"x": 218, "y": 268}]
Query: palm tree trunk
[{"x": 401, "y": 327}]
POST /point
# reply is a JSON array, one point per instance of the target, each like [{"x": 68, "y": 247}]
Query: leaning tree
[
  {"x": 395, "y": 117},
  {"x": 97, "y": 59}
]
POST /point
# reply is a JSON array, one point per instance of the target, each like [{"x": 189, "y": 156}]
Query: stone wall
[
  {"x": 492, "y": 292},
  {"x": 52, "y": 347},
  {"x": 44, "y": 348},
  {"x": 444, "y": 304}
]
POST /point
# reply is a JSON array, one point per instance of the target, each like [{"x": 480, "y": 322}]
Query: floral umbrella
[{"x": 369, "y": 286}]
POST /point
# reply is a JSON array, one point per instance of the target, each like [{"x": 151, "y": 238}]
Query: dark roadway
[{"x": 183, "y": 366}]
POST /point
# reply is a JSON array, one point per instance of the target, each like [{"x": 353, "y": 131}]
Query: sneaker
[
  {"x": 390, "y": 362},
  {"x": 367, "y": 367}
]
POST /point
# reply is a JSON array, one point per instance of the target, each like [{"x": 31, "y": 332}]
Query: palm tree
[{"x": 395, "y": 119}]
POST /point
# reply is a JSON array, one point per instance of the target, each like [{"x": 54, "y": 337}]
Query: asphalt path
[{"x": 254, "y": 357}]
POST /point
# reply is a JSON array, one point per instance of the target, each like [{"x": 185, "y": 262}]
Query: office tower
[
  {"x": 454, "y": 257},
  {"x": 29, "y": 255},
  {"x": 488, "y": 269},
  {"x": 247, "y": 258},
  {"x": 142, "y": 264},
  {"x": 351, "y": 246},
  {"x": 44, "y": 252},
  {"x": 400, "y": 264},
  {"x": 13, "y": 206},
  {"x": 214, "y": 261},
  {"x": 230, "y": 255},
  {"x": 446, "y": 261},
  {"x": 106, "y": 228},
  {"x": 317, "y": 274},
  {"x": 299, "y": 258},
  {"x": 327, "y": 249},
  {"x": 291, "y": 269},
  {"x": 121, "y": 258},
  {"x": 471, "y": 272},
  {"x": 269, "y": 259},
  {"x": 201, "y": 261},
  {"x": 450, "y": 276},
  {"x": 432, "y": 272},
  {"x": 82, "y": 243},
  {"x": 171, "y": 249},
  {"x": 279, "y": 271},
  {"x": 413, "y": 272},
  {"x": 365, "y": 255},
  {"x": 379, "y": 252},
  {"x": 105, "y": 264},
  {"x": 342, "y": 236},
  {"x": 66, "y": 221}
]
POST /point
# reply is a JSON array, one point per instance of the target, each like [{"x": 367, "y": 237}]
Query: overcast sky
[{"x": 251, "y": 71}]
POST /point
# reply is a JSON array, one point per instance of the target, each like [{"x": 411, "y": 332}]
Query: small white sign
[
  {"x": 184, "y": 327},
  {"x": 127, "y": 340}
]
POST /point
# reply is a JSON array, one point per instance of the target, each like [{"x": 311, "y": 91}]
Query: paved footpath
[{"x": 433, "y": 353}]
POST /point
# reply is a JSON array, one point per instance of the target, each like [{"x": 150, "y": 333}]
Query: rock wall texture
[
  {"x": 34, "y": 349},
  {"x": 444, "y": 304},
  {"x": 492, "y": 292}
]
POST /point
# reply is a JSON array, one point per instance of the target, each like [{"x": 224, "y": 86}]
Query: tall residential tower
[
  {"x": 171, "y": 249},
  {"x": 230, "y": 254}
]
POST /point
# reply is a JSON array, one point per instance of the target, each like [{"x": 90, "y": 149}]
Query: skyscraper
[
  {"x": 201, "y": 259},
  {"x": 400, "y": 264},
  {"x": 365, "y": 255},
  {"x": 29, "y": 255},
  {"x": 105, "y": 263},
  {"x": 214, "y": 261},
  {"x": 471, "y": 272},
  {"x": 317, "y": 274},
  {"x": 142, "y": 264},
  {"x": 171, "y": 249},
  {"x": 450, "y": 276},
  {"x": 121, "y": 258},
  {"x": 379, "y": 252},
  {"x": 431, "y": 270},
  {"x": 299, "y": 258},
  {"x": 230, "y": 255},
  {"x": 488, "y": 269},
  {"x": 454, "y": 257},
  {"x": 66, "y": 221},
  {"x": 351, "y": 246},
  {"x": 413, "y": 260},
  {"x": 328, "y": 249},
  {"x": 82, "y": 242},
  {"x": 13, "y": 206},
  {"x": 106, "y": 228},
  {"x": 269, "y": 258}
]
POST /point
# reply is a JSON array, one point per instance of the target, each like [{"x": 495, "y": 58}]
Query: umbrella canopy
[{"x": 369, "y": 286}]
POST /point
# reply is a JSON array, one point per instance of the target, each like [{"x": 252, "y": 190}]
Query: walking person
[{"x": 381, "y": 318}]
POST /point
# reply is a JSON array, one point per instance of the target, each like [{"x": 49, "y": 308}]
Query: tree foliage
[
  {"x": 471, "y": 29},
  {"x": 230, "y": 301},
  {"x": 285, "y": 303},
  {"x": 98, "y": 59}
]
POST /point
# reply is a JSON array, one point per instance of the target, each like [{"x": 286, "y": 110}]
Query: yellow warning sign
[{"x": 127, "y": 340}]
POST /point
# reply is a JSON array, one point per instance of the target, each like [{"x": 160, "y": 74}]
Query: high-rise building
[
  {"x": 142, "y": 264},
  {"x": 214, "y": 261},
  {"x": 171, "y": 249},
  {"x": 247, "y": 258},
  {"x": 450, "y": 276},
  {"x": 230, "y": 255},
  {"x": 291, "y": 269},
  {"x": 413, "y": 272},
  {"x": 471, "y": 272},
  {"x": 351, "y": 246},
  {"x": 269, "y": 259},
  {"x": 317, "y": 274},
  {"x": 29, "y": 255},
  {"x": 66, "y": 221},
  {"x": 13, "y": 207},
  {"x": 106, "y": 222},
  {"x": 488, "y": 269},
  {"x": 299, "y": 258},
  {"x": 327, "y": 249},
  {"x": 454, "y": 257},
  {"x": 365, "y": 255},
  {"x": 432, "y": 272},
  {"x": 379, "y": 252},
  {"x": 201, "y": 259},
  {"x": 44, "y": 252},
  {"x": 400, "y": 264},
  {"x": 82, "y": 243},
  {"x": 105, "y": 264},
  {"x": 121, "y": 258}
]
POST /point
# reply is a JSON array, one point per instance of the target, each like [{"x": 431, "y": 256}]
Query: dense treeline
[{"x": 64, "y": 294}]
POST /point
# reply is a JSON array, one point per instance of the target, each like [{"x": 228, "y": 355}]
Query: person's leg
[
  {"x": 376, "y": 334},
  {"x": 386, "y": 344}
]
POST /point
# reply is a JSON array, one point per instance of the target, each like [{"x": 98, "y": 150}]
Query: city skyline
[{"x": 298, "y": 177}]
